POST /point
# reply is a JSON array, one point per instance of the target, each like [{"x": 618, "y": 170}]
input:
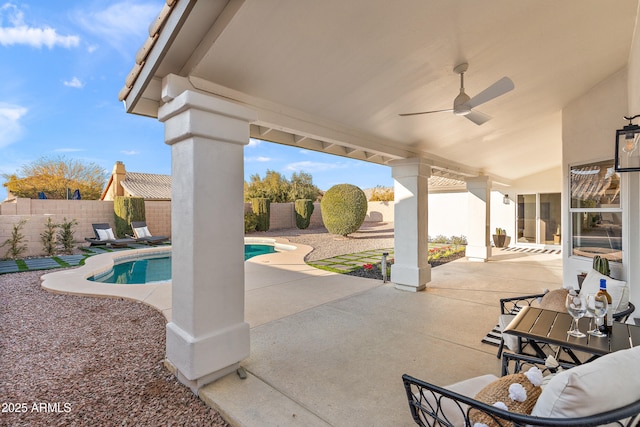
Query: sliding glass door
[{"x": 538, "y": 218}]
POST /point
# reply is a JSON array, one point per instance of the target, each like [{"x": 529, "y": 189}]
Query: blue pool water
[{"x": 157, "y": 269}]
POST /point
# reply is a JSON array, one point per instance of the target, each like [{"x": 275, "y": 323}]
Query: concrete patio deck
[{"x": 330, "y": 349}]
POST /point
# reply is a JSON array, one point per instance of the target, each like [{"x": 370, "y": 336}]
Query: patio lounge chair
[
  {"x": 142, "y": 235},
  {"x": 604, "y": 391},
  {"x": 104, "y": 236}
]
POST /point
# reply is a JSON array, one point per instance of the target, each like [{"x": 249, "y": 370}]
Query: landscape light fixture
[{"x": 627, "y": 151}]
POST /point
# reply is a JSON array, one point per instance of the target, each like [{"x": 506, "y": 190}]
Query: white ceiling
[{"x": 339, "y": 72}]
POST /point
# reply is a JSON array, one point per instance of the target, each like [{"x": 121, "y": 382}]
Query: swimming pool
[{"x": 157, "y": 268}]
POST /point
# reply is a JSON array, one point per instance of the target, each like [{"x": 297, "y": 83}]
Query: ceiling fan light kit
[{"x": 463, "y": 105}]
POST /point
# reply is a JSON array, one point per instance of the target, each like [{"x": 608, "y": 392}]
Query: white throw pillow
[
  {"x": 141, "y": 232},
  {"x": 607, "y": 383},
  {"x": 145, "y": 230},
  {"x": 102, "y": 234},
  {"x": 618, "y": 289},
  {"x": 110, "y": 234}
]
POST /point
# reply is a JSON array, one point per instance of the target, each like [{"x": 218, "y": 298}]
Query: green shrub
[
  {"x": 16, "y": 243},
  {"x": 304, "y": 210},
  {"x": 125, "y": 210},
  {"x": 48, "y": 237},
  {"x": 250, "y": 222},
  {"x": 65, "y": 235},
  {"x": 344, "y": 208},
  {"x": 262, "y": 208}
]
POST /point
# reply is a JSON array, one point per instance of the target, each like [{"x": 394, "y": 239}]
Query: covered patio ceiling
[{"x": 333, "y": 75}]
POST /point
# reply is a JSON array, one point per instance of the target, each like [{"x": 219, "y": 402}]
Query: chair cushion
[
  {"x": 607, "y": 383},
  {"x": 511, "y": 341},
  {"x": 514, "y": 392},
  {"x": 618, "y": 289},
  {"x": 469, "y": 387}
]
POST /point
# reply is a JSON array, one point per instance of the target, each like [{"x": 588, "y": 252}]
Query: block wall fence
[{"x": 158, "y": 217}]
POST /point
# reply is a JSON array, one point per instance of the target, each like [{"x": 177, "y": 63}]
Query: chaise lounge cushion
[
  {"x": 607, "y": 383},
  {"x": 618, "y": 289}
]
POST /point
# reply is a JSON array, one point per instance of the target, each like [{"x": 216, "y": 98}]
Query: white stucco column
[
  {"x": 478, "y": 242},
  {"x": 411, "y": 270},
  {"x": 207, "y": 336}
]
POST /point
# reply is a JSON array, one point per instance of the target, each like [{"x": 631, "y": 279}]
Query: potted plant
[{"x": 500, "y": 238}]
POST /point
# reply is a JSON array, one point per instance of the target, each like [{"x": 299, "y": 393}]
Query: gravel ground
[
  {"x": 79, "y": 361},
  {"x": 374, "y": 236}
]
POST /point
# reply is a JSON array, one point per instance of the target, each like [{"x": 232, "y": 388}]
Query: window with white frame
[{"x": 596, "y": 212}]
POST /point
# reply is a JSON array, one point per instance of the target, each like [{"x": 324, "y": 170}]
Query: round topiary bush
[{"x": 344, "y": 208}]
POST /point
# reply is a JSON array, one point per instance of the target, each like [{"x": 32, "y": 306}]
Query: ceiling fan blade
[
  {"x": 497, "y": 89},
  {"x": 449, "y": 110},
  {"x": 477, "y": 117}
]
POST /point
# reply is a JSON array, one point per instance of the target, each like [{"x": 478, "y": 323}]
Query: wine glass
[
  {"x": 577, "y": 308},
  {"x": 597, "y": 306}
]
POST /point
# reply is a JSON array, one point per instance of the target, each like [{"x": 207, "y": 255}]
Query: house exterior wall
[{"x": 588, "y": 132}]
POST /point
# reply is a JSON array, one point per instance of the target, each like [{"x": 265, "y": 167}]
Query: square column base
[
  {"x": 199, "y": 361},
  {"x": 412, "y": 279},
  {"x": 478, "y": 253}
]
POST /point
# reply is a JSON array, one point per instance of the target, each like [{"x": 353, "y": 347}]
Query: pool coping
[{"x": 157, "y": 295}]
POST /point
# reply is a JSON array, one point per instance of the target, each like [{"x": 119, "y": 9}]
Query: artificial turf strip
[
  {"x": 22, "y": 266},
  {"x": 348, "y": 263}
]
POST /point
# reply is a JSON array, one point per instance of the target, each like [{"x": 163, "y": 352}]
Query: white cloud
[
  {"x": 308, "y": 166},
  {"x": 17, "y": 32},
  {"x": 254, "y": 142},
  {"x": 129, "y": 152},
  {"x": 10, "y": 127},
  {"x": 121, "y": 24},
  {"x": 74, "y": 82},
  {"x": 260, "y": 159}
]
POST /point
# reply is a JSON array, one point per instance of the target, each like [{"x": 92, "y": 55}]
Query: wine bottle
[{"x": 608, "y": 323}]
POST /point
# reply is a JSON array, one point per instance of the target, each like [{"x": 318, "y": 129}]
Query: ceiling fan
[{"x": 463, "y": 105}]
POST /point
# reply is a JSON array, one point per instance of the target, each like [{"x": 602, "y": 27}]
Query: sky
[{"x": 62, "y": 65}]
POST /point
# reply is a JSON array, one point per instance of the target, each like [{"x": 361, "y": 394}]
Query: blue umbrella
[{"x": 76, "y": 195}]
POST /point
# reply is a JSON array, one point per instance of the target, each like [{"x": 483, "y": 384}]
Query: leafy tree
[
  {"x": 279, "y": 189},
  {"x": 382, "y": 194},
  {"x": 301, "y": 187},
  {"x": 54, "y": 176}
]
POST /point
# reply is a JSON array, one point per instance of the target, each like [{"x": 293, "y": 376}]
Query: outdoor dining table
[{"x": 540, "y": 326}]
